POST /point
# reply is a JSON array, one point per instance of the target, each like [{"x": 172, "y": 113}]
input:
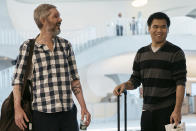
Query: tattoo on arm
[{"x": 76, "y": 88}]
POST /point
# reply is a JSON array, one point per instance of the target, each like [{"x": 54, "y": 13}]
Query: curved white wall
[
  {"x": 98, "y": 82},
  {"x": 183, "y": 25}
]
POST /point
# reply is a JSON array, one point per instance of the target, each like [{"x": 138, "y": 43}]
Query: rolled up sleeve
[
  {"x": 20, "y": 65},
  {"x": 72, "y": 64}
]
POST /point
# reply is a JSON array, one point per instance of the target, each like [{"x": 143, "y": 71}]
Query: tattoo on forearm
[{"x": 76, "y": 88}]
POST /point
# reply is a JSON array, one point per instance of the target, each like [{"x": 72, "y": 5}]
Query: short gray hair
[{"x": 42, "y": 11}]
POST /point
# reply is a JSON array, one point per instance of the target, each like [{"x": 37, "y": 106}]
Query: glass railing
[
  {"x": 5, "y": 83},
  {"x": 80, "y": 39},
  {"x": 12, "y": 37}
]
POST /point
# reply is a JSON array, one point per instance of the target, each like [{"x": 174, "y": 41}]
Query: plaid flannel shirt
[{"x": 52, "y": 73}]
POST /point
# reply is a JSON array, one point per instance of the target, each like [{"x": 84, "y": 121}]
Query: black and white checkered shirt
[{"x": 51, "y": 76}]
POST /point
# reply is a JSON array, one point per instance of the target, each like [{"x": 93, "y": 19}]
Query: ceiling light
[{"x": 139, "y": 3}]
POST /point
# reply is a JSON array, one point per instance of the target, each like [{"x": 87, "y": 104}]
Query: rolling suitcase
[{"x": 125, "y": 110}]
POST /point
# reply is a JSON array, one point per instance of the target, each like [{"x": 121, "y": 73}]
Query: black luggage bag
[{"x": 125, "y": 110}]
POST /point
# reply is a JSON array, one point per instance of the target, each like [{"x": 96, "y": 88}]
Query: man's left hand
[
  {"x": 84, "y": 112},
  {"x": 175, "y": 117}
]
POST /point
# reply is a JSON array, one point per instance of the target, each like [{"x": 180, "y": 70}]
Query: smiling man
[
  {"x": 54, "y": 77},
  {"x": 161, "y": 69}
]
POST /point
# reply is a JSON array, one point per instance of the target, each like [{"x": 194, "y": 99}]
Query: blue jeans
[{"x": 119, "y": 30}]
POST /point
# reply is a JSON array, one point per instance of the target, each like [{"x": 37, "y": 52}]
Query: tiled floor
[{"x": 190, "y": 121}]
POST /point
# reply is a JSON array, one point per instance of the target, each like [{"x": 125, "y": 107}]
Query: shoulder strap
[{"x": 29, "y": 63}]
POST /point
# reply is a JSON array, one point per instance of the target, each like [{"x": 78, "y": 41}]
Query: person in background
[
  {"x": 119, "y": 25},
  {"x": 133, "y": 26}
]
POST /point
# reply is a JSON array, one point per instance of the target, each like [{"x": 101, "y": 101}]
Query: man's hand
[
  {"x": 176, "y": 114},
  {"x": 77, "y": 90},
  {"x": 20, "y": 116},
  {"x": 119, "y": 89},
  {"x": 84, "y": 112},
  {"x": 175, "y": 117}
]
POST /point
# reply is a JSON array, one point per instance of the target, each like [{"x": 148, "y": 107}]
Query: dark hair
[{"x": 158, "y": 15}]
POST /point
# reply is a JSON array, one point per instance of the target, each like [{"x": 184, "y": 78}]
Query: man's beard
[{"x": 56, "y": 32}]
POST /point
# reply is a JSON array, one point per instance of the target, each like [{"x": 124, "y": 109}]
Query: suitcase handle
[{"x": 125, "y": 110}]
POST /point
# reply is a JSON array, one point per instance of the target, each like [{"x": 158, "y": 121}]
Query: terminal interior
[{"x": 104, "y": 59}]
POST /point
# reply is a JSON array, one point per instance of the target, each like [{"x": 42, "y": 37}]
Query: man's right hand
[
  {"x": 119, "y": 89},
  {"x": 20, "y": 116}
]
